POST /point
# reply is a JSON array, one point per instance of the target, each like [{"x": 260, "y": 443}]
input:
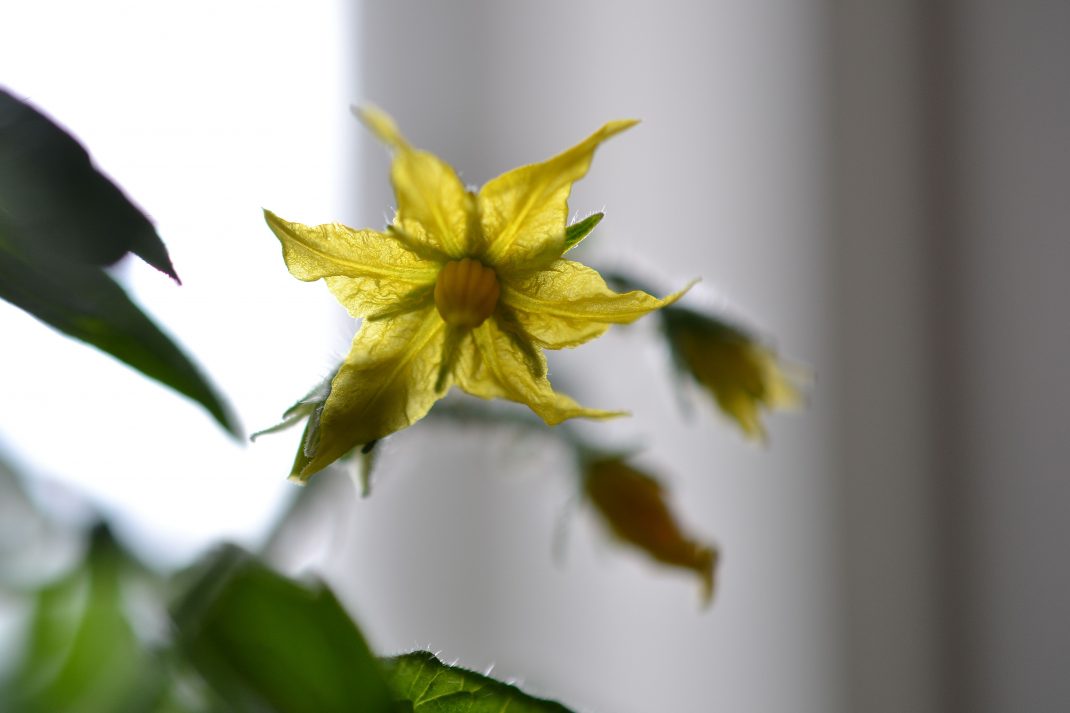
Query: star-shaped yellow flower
[{"x": 462, "y": 288}]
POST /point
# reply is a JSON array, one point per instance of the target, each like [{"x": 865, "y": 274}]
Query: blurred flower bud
[
  {"x": 633, "y": 505},
  {"x": 740, "y": 373}
]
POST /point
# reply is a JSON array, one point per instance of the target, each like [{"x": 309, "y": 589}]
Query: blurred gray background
[{"x": 880, "y": 187}]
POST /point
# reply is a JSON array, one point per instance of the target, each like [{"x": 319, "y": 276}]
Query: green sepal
[
  {"x": 302, "y": 408},
  {"x": 581, "y": 229}
]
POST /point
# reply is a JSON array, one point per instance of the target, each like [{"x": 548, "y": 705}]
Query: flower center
[{"x": 466, "y": 293}]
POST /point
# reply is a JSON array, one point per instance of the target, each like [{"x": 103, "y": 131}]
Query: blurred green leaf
[
  {"x": 60, "y": 221},
  {"x": 267, "y": 643},
  {"x": 431, "y": 686},
  {"x": 581, "y": 229},
  {"x": 83, "y": 654}
]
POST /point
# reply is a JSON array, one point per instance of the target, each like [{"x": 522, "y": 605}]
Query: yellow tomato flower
[
  {"x": 741, "y": 374},
  {"x": 462, "y": 288}
]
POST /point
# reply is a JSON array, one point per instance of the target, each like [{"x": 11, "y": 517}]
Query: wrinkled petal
[
  {"x": 568, "y": 304},
  {"x": 524, "y": 211},
  {"x": 496, "y": 367},
  {"x": 385, "y": 384},
  {"x": 378, "y": 298},
  {"x": 366, "y": 270},
  {"x": 434, "y": 207}
]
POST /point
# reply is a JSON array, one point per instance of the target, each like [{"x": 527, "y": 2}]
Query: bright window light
[{"x": 203, "y": 117}]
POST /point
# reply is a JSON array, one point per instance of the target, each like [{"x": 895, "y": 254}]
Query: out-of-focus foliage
[
  {"x": 61, "y": 222},
  {"x": 267, "y": 643},
  {"x": 82, "y": 653},
  {"x": 94, "y": 635},
  {"x": 238, "y": 638},
  {"x": 264, "y": 642},
  {"x": 635, "y": 506},
  {"x": 431, "y": 686}
]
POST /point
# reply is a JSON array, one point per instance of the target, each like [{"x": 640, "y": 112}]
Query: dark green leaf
[
  {"x": 431, "y": 686},
  {"x": 55, "y": 203},
  {"x": 85, "y": 303},
  {"x": 61, "y": 220},
  {"x": 83, "y": 654},
  {"x": 579, "y": 230},
  {"x": 267, "y": 643}
]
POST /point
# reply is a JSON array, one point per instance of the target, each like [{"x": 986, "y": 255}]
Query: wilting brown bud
[{"x": 634, "y": 506}]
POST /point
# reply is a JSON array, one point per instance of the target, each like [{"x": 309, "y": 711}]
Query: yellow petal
[
  {"x": 524, "y": 211},
  {"x": 568, "y": 304},
  {"x": 496, "y": 367},
  {"x": 366, "y": 270},
  {"x": 385, "y": 384},
  {"x": 373, "y": 298},
  {"x": 434, "y": 207},
  {"x": 382, "y": 125}
]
